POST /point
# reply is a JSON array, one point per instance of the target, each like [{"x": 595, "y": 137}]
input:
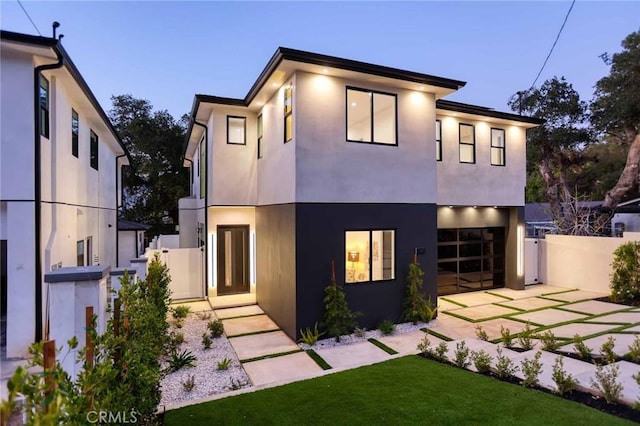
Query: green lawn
[{"x": 408, "y": 390}]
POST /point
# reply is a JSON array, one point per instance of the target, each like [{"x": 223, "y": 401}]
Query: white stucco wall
[
  {"x": 126, "y": 247},
  {"x": 481, "y": 183},
  {"x": 330, "y": 169}
]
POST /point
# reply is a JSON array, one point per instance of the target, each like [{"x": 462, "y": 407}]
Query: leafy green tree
[
  {"x": 616, "y": 113},
  {"x": 157, "y": 179},
  {"x": 338, "y": 318},
  {"x": 416, "y": 307}
]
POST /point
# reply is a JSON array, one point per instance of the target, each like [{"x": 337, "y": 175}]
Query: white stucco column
[
  {"x": 116, "y": 275},
  {"x": 140, "y": 265},
  {"x": 71, "y": 290}
]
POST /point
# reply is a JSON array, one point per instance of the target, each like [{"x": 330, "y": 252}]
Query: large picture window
[
  {"x": 438, "y": 140},
  {"x": 369, "y": 256},
  {"x": 44, "y": 107},
  {"x": 74, "y": 133},
  {"x": 259, "y": 127},
  {"x": 288, "y": 113},
  {"x": 236, "y": 130},
  {"x": 467, "y": 143},
  {"x": 371, "y": 117},
  {"x": 93, "y": 150},
  {"x": 497, "y": 147}
]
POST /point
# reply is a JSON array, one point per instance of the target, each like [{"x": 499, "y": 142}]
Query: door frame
[{"x": 245, "y": 285}]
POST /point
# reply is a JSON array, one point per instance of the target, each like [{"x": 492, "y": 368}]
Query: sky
[{"x": 167, "y": 51}]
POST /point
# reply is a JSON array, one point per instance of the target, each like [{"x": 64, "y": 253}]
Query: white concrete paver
[
  {"x": 483, "y": 311},
  {"x": 238, "y": 312},
  {"x": 531, "y": 303},
  {"x": 355, "y": 355},
  {"x": 574, "y": 296},
  {"x": 594, "y": 307},
  {"x": 581, "y": 329},
  {"x": 475, "y": 298},
  {"x": 286, "y": 368},
  {"x": 257, "y": 345},
  {"x": 407, "y": 343},
  {"x": 620, "y": 317},
  {"x": 549, "y": 316}
]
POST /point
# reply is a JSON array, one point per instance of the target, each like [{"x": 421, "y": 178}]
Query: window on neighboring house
[
  {"x": 44, "y": 107},
  {"x": 74, "y": 133},
  {"x": 371, "y": 117},
  {"x": 80, "y": 252},
  {"x": 438, "y": 140},
  {"x": 497, "y": 147},
  {"x": 259, "y": 136},
  {"x": 90, "y": 258},
  {"x": 467, "y": 143},
  {"x": 369, "y": 256},
  {"x": 236, "y": 130},
  {"x": 288, "y": 113},
  {"x": 202, "y": 167},
  {"x": 93, "y": 150}
]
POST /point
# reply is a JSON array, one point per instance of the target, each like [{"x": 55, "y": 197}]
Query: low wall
[
  {"x": 186, "y": 267},
  {"x": 579, "y": 262}
]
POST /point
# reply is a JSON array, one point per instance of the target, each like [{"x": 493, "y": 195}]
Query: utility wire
[
  {"x": 554, "y": 44},
  {"x": 26, "y": 13}
]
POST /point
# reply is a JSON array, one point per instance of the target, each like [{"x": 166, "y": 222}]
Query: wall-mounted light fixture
[{"x": 353, "y": 256}]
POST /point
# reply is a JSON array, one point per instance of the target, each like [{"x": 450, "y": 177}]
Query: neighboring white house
[
  {"x": 328, "y": 161},
  {"x": 60, "y": 179},
  {"x": 131, "y": 240}
]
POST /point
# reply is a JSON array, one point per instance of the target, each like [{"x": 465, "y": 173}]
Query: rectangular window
[
  {"x": 260, "y": 136},
  {"x": 371, "y": 117},
  {"x": 467, "y": 143},
  {"x": 369, "y": 256},
  {"x": 236, "y": 130},
  {"x": 89, "y": 246},
  {"x": 44, "y": 107},
  {"x": 202, "y": 167},
  {"x": 438, "y": 140},
  {"x": 288, "y": 113},
  {"x": 497, "y": 147},
  {"x": 93, "y": 148},
  {"x": 74, "y": 133},
  {"x": 80, "y": 252}
]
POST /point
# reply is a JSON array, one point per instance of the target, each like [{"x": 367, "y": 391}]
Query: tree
[
  {"x": 157, "y": 178},
  {"x": 616, "y": 113},
  {"x": 557, "y": 147}
]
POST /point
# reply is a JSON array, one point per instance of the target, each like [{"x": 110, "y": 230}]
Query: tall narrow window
[
  {"x": 236, "y": 130},
  {"x": 369, "y": 256},
  {"x": 467, "y": 143},
  {"x": 438, "y": 140},
  {"x": 202, "y": 167},
  {"x": 93, "y": 148},
  {"x": 90, "y": 258},
  {"x": 497, "y": 147},
  {"x": 74, "y": 133},
  {"x": 371, "y": 116},
  {"x": 44, "y": 107},
  {"x": 288, "y": 113},
  {"x": 80, "y": 253},
  {"x": 260, "y": 136}
]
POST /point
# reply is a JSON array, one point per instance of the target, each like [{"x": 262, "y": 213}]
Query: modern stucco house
[
  {"x": 131, "y": 240},
  {"x": 328, "y": 159},
  {"x": 60, "y": 179}
]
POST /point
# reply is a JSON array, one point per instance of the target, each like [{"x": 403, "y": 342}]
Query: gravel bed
[
  {"x": 406, "y": 327},
  {"x": 209, "y": 380}
]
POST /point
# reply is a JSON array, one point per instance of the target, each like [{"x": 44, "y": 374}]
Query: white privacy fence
[{"x": 186, "y": 267}]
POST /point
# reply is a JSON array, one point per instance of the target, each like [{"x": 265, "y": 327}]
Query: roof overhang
[{"x": 474, "y": 112}]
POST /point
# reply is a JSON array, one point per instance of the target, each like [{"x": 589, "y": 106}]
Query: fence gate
[
  {"x": 186, "y": 268},
  {"x": 531, "y": 248}
]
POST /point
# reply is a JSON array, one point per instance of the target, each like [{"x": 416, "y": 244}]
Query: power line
[
  {"x": 26, "y": 13},
  {"x": 554, "y": 43}
]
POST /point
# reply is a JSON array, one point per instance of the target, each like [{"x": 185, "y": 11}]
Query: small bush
[
  {"x": 625, "y": 276},
  {"x": 507, "y": 337},
  {"x": 216, "y": 328},
  {"x": 634, "y": 350},
  {"x": 359, "y": 332},
  {"x": 387, "y": 327},
  {"x": 481, "y": 334},
  {"x": 462, "y": 355},
  {"x": 425, "y": 347},
  {"x": 189, "y": 384},
  {"x": 441, "y": 351},
  {"x": 204, "y": 316},
  {"x": 531, "y": 369},
  {"x": 338, "y": 319},
  {"x": 224, "y": 364},
  {"x": 606, "y": 381},
  {"x": 178, "y": 361},
  {"x": 525, "y": 339},
  {"x": 583, "y": 351},
  {"x": 180, "y": 312},
  {"x": 310, "y": 337},
  {"x": 505, "y": 368},
  {"x": 206, "y": 341},
  {"x": 607, "y": 354},
  {"x": 549, "y": 341},
  {"x": 175, "y": 340},
  {"x": 565, "y": 383},
  {"x": 482, "y": 361},
  {"x": 416, "y": 307}
]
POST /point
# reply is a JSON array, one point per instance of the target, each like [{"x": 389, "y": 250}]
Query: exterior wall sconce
[{"x": 354, "y": 256}]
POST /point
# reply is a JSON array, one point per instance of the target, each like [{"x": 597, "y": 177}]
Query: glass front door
[{"x": 233, "y": 259}]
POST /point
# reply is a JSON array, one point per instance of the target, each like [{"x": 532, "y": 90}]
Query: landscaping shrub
[
  {"x": 359, "y": 332},
  {"x": 482, "y": 361},
  {"x": 549, "y": 341},
  {"x": 583, "y": 351},
  {"x": 416, "y": 307},
  {"x": 606, "y": 381},
  {"x": 462, "y": 355},
  {"x": 180, "y": 314},
  {"x": 531, "y": 369},
  {"x": 179, "y": 360},
  {"x": 387, "y": 327},
  {"x": 505, "y": 368},
  {"x": 189, "y": 384},
  {"x": 507, "y": 337},
  {"x": 338, "y": 318},
  {"x": 481, "y": 334},
  {"x": 607, "y": 354},
  {"x": 525, "y": 339},
  {"x": 634, "y": 350},
  {"x": 310, "y": 337},
  {"x": 625, "y": 276},
  {"x": 206, "y": 341},
  {"x": 224, "y": 364},
  {"x": 565, "y": 383},
  {"x": 216, "y": 328}
]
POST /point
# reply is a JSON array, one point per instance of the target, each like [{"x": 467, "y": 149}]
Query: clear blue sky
[{"x": 168, "y": 51}]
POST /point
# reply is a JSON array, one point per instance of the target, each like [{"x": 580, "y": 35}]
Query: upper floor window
[
  {"x": 93, "y": 149},
  {"x": 202, "y": 167},
  {"x": 44, "y": 107},
  {"x": 497, "y": 147},
  {"x": 438, "y": 140},
  {"x": 259, "y": 127},
  {"x": 371, "y": 117},
  {"x": 236, "y": 130},
  {"x": 74, "y": 133},
  {"x": 288, "y": 113},
  {"x": 467, "y": 143},
  {"x": 369, "y": 256}
]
